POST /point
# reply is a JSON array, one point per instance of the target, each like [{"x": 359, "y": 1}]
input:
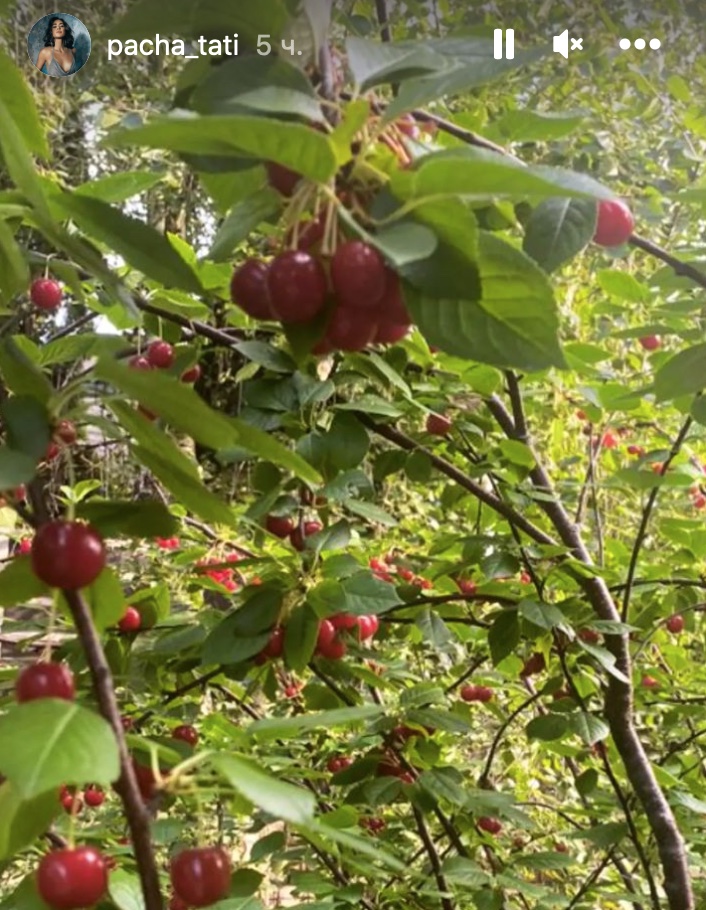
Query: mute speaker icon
[{"x": 561, "y": 44}]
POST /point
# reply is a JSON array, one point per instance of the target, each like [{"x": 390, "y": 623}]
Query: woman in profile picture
[{"x": 58, "y": 54}]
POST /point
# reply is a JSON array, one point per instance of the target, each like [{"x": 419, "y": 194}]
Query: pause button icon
[{"x": 509, "y": 44}]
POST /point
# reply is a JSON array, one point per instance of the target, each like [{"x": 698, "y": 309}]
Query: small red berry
[
  {"x": 93, "y": 797},
  {"x": 275, "y": 646},
  {"x": 193, "y": 374},
  {"x": 590, "y": 636},
  {"x": 675, "y": 623},
  {"x": 45, "y": 293},
  {"x": 635, "y": 450},
  {"x": 344, "y": 621},
  {"x": 282, "y": 178},
  {"x": 649, "y": 682},
  {"x": 299, "y": 535},
  {"x": 466, "y": 586},
  {"x": 67, "y": 554},
  {"x": 327, "y": 633},
  {"x": 534, "y": 664},
  {"x": 609, "y": 440},
  {"x": 160, "y": 354},
  {"x": 280, "y": 526},
  {"x": 651, "y": 342},
  {"x": 248, "y": 289},
  {"x": 489, "y": 825},
  {"x": 201, "y": 876},
  {"x": 45, "y": 680},
  {"x": 138, "y": 362},
  {"x": 350, "y": 330},
  {"x": 186, "y": 733},
  {"x": 615, "y": 223},
  {"x": 334, "y": 650},
  {"x": 71, "y": 803},
  {"x": 438, "y": 425},
  {"x": 65, "y": 431},
  {"x": 131, "y": 620},
  {"x": 69, "y": 879},
  {"x": 297, "y": 285},
  {"x": 358, "y": 275}
]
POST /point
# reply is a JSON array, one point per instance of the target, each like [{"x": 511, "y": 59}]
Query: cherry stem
[{"x": 138, "y": 818}]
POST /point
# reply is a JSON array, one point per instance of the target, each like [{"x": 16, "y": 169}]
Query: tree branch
[{"x": 383, "y": 20}]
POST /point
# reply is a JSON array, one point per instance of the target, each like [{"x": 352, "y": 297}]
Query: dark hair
[{"x": 67, "y": 40}]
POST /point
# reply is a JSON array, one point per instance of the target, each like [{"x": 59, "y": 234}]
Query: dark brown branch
[
  {"x": 383, "y": 20},
  {"x": 683, "y": 269},
  {"x": 484, "y": 776},
  {"x": 434, "y": 860},
  {"x": 138, "y": 818}
]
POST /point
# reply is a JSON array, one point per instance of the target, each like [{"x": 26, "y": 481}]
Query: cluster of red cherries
[
  {"x": 360, "y": 295},
  {"x": 330, "y": 641}
]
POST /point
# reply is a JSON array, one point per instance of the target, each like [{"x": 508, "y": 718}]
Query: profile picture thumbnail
[{"x": 59, "y": 44}]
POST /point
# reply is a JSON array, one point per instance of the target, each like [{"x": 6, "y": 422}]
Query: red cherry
[
  {"x": 675, "y": 623},
  {"x": 327, "y": 633},
  {"x": 344, "y": 621},
  {"x": 176, "y": 903},
  {"x": 146, "y": 781},
  {"x": 358, "y": 275},
  {"x": 468, "y": 693},
  {"x": 590, "y": 636},
  {"x": 52, "y": 451},
  {"x": 390, "y": 333},
  {"x": 438, "y": 425},
  {"x": 292, "y": 690},
  {"x": 310, "y": 233},
  {"x": 649, "y": 682},
  {"x": 392, "y": 308},
  {"x": 248, "y": 289},
  {"x": 71, "y": 803},
  {"x": 615, "y": 223},
  {"x": 635, "y": 450},
  {"x": 131, "y": 620},
  {"x": 160, "y": 354},
  {"x": 20, "y": 493},
  {"x": 201, "y": 876},
  {"x": 193, "y": 374},
  {"x": 651, "y": 342},
  {"x": 350, "y": 330},
  {"x": 609, "y": 440},
  {"x": 25, "y": 545},
  {"x": 367, "y": 627},
  {"x": 67, "y": 554},
  {"x": 534, "y": 664},
  {"x": 281, "y": 178},
  {"x": 139, "y": 363},
  {"x": 45, "y": 293},
  {"x": 490, "y": 825},
  {"x": 186, "y": 733},
  {"x": 335, "y": 650},
  {"x": 70, "y": 879},
  {"x": 699, "y": 501},
  {"x": 126, "y": 722},
  {"x": 299, "y": 535},
  {"x": 297, "y": 285},
  {"x": 94, "y": 797},
  {"x": 388, "y": 768},
  {"x": 275, "y": 646},
  {"x": 466, "y": 586},
  {"x": 45, "y": 680},
  {"x": 280, "y": 526},
  {"x": 65, "y": 431}
]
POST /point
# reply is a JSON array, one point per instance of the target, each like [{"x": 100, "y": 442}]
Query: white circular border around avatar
[{"x": 58, "y": 45}]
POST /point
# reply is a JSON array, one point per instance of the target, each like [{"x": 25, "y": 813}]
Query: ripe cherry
[
  {"x": 590, "y": 636},
  {"x": 489, "y": 825},
  {"x": 297, "y": 285},
  {"x": 358, "y": 275},
  {"x": 131, "y": 620},
  {"x": 52, "y": 451},
  {"x": 335, "y": 650},
  {"x": 466, "y": 586},
  {"x": 349, "y": 329},
  {"x": 310, "y": 233},
  {"x": 186, "y": 733},
  {"x": 651, "y": 342},
  {"x": 609, "y": 440},
  {"x": 327, "y": 633},
  {"x": 367, "y": 627},
  {"x": 292, "y": 690},
  {"x": 615, "y": 223},
  {"x": 275, "y": 646},
  {"x": 675, "y": 623},
  {"x": 635, "y": 450},
  {"x": 67, "y": 554},
  {"x": 282, "y": 178},
  {"x": 438, "y": 425},
  {"x": 25, "y": 545},
  {"x": 138, "y": 362},
  {"x": 201, "y": 876},
  {"x": 390, "y": 332},
  {"x": 280, "y": 526},
  {"x": 344, "y": 621},
  {"x": 71, "y": 803},
  {"x": 45, "y": 680},
  {"x": 146, "y": 781},
  {"x": 391, "y": 308},
  {"x": 476, "y": 693},
  {"x": 69, "y": 879},
  {"x": 338, "y": 763},
  {"x": 299, "y": 535},
  {"x": 93, "y": 797},
  {"x": 534, "y": 664},
  {"x": 45, "y": 293},
  {"x": 176, "y": 903},
  {"x": 160, "y": 354},
  {"x": 248, "y": 289},
  {"x": 649, "y": 682},
  {"x": 193, "y": 374},
  {"x": 65, "y": 431}
]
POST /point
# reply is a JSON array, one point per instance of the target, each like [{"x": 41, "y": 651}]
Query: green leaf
[
  {"x": 125, "y": 890},
  {"x": 373, "y": 63},
  {"x": 14, "y": 270},
  {"x": 21, "y": 375},
  {"x": 245, "y": 631},
  {"x": 433, "y": 628},
  {"x": 19, "y": 101},
  {"x": 22, "y": 821},
  {"x": 682, "y": 374},
  {"x": 121, "y": 186},
  {"x": 558, "y": 229},
  {"x": 623, "y": 285},
  {"x": 487, "y": 175},
  {"x": 300, "y": 148},
  {"x": 242, "y": 220},
  {"x": 545, "y": 860},
  {"x": 698, "y": 411},
  {"x": 514, "y": 324},
  {"x": 138, "y": 243},
  {"x": 544, "y": 615},
  {"x": 18, "y": 583},
  {"x": 365, "y": 594},
  {"x": 591, "y": 729},
  {"x": 300, "y": 638},
  {"x": 285, "y": 727},
  {"x": 504, "y": 635},
  {"x": 132, "y": 519},
  {"x": 15, "y": 468},
  {"x": 527, "y": 125},
  {"x": 106, "y": 599},
  {"x": 267, "y": 792},
  {"x": 547, "y": 727},
  {"x": 19, "y": 163},
  {"x": 48, "y": 742}
]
